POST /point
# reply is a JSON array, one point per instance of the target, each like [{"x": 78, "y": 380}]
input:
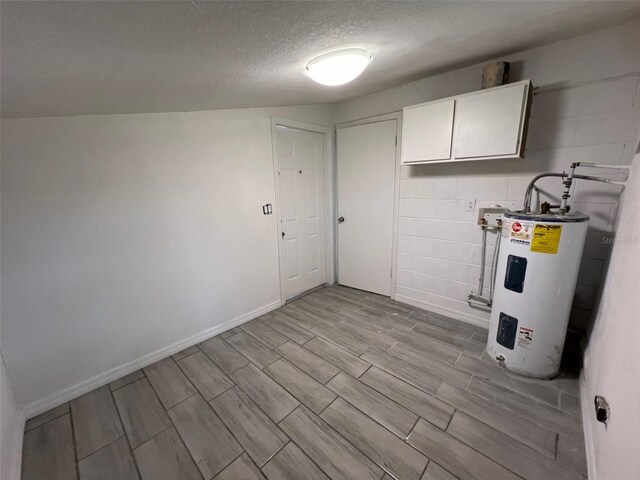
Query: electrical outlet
[{"x": 470, "y": 205}]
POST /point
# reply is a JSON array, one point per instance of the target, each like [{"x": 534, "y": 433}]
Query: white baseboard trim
[
  {"x": 586, "y": 407},
  {"x": 58, "y": 398},
  {"x": 447, "y": 312}
]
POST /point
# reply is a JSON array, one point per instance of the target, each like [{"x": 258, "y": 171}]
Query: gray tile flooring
[{"x": 339, "y": 384}]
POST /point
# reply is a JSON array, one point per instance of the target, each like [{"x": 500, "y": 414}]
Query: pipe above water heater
[{"x": 569, "y": 184}]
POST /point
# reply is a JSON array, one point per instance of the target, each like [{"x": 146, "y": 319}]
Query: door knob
[
  {"x": 282, "y": 234},
  {"x": 341, "y": 219}
]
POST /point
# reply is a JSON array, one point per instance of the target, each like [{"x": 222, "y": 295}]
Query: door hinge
[
  {"x": 396, "y": 140},
  {"x": 391, "y": 273}
]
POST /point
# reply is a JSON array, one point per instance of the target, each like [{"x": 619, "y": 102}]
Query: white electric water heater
[{"x": 535, "y": 281}]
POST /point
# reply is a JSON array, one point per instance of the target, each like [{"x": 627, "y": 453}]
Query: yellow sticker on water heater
[{"x": 546, "y": 238}]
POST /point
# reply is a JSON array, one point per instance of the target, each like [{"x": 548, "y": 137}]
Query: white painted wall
[
  {"x": 11, "y": 429},
  {"x": 612, "y": 363},
  {"x": 12, "y": 421},
  {"x": 578, "y": 115},
  {"x": 128, "y": 237}
]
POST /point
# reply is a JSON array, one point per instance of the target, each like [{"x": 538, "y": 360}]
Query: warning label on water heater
[
  {"x": 525, "y": 338},
  {"x": 546, "y": 238}
]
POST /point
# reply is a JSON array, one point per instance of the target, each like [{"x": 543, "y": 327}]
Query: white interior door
[
  {"x": 301, "y": 209},
  {"x": 366, "y": 182}
]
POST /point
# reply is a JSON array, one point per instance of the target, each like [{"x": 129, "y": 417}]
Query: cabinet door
[
  {"x": 427, "y": 131},
  {"x": 489, "y": 123}
]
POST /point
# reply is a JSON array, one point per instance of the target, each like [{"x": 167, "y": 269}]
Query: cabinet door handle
[{"x": 341, "y": 219}]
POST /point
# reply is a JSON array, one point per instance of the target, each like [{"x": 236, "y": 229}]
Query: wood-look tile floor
[{"x": 339, "y": 384}]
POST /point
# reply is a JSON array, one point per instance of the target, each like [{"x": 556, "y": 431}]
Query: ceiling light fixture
[{"x": 338, "y": 67}]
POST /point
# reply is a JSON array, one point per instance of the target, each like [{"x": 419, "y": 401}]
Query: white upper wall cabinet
[
  {"x": 489, "y": 123},
  {"x": 482, "y": 125},
  {"x": 427, "y": 131}
]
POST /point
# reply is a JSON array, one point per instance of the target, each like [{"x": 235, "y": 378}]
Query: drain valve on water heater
[{"x": 602, "y": 409}]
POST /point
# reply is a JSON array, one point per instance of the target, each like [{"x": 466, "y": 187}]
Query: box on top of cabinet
[{"x": 484, "y": 125}]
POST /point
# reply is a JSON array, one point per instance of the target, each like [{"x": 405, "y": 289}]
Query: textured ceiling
[{"x": 74, "y": 58}]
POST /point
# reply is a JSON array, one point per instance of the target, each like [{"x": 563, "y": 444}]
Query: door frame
[
  {"x": 328, "y": 170},
  {"x": 397, "y": 116}
]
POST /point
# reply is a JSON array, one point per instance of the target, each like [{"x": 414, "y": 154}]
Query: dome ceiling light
[{"x": 338, "y": 67}]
